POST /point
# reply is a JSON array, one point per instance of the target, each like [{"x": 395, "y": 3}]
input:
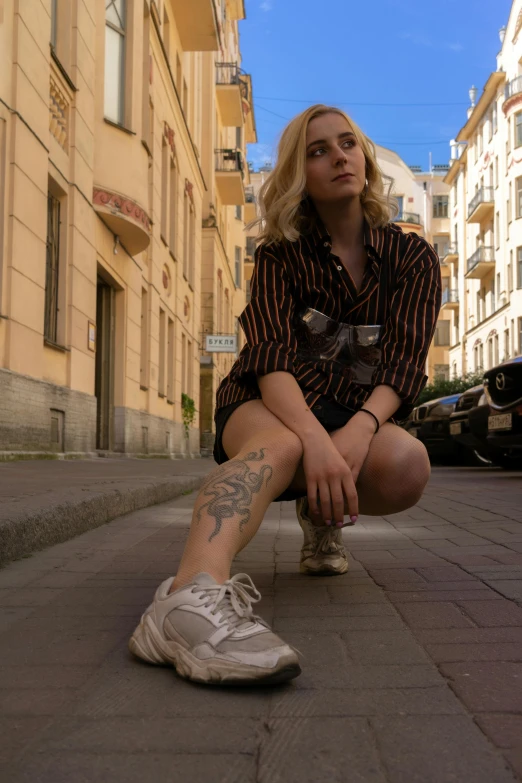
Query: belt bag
[{"x": 352, "y": 351}]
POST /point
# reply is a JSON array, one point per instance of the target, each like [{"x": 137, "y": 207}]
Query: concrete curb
[{"x": 28, "y": 533}]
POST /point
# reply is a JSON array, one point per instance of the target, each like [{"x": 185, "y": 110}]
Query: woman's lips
[{"x": 343, "y": 177}]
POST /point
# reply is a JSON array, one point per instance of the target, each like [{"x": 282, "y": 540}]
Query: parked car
[
  {"x": 429, "y": 423},
  {"x": 473, "y": 450},
  {"x": 503, "y": 387}
]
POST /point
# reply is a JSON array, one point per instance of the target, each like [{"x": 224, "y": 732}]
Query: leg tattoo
[{"x": 232, "y": 490}]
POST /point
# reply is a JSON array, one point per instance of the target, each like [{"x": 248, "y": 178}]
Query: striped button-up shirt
[{"x": 401, "y": 289}]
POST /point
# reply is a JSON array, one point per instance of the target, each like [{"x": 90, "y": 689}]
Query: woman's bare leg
[
  {"x": 393, "y": 476},
  {"x": 234, "y": 498}
]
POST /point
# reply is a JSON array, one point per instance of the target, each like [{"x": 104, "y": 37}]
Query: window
[
  {"x": 495, "y": 349},
  {"x": 496, "y": 171},
  {"x": 480, "y": 139},
  {"x": 518, "y": 129},
  {"x": 115, "y": 60},
  {"x": 144, "y": 357},
  {"x": 170, "y": 361},
  {"x": 510, "y": 272},
  {"x": 440, "y": 206},
  {"x": 248, "y": 291},
  {"x": 173, "y": 206},
  {"x": 161, "y": 357},
  {"x": 494, "y": 117},
  {"x": 497, "y": 230},
  {"x": 518, "y": 196},
  {"x": 189, "y": 368},
  {"x": 238, "y": 267},
  {"x": 508, "y": 143},
  {"x": 164, "y": 190},
  {"x": 400, "y": 203},
  {"x": 478, "y": 307},
  {"x": 492, "y": 297},
  {"x": 440, "y": 245},
  {"x": 52, "y": 269},
  {"x": 519, "y": 321},
  {"x": 239, "y": 212},
  {"x": 54, "y": 23},
  {"x": 519, "y": 267},
  {"x": 147, "y": 123},
  {"x": 442, "y": 333},
  {"x": 442, "y": 372},
  {"x": 184, "y": 389},
  {"x": 186, "y": 213},
  {"x": 506, "y": 344},
  {"x": 192, "y": 246},
  {"x": 490, "y": 352}
]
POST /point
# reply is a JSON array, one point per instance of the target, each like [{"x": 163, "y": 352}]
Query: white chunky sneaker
[
  {"x": 209, "y": 633},
  {"x": 322, "y": 551}
]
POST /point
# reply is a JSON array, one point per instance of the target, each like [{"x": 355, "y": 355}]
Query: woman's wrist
[{"x": 365, "y": 422}]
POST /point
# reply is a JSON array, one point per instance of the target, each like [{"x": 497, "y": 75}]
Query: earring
[{"x": 365, "y": 191}]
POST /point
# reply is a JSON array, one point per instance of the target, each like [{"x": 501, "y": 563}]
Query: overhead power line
[
  {"x": 358, "y": 103},
  {"x": 381, "y": 143}
]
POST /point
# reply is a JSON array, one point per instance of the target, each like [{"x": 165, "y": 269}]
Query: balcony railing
[
  {"x": 229, "y": 160},
  {"x": 227, "y": 73},
  {"x": 513, "y": 88},
  {"x": 408, "y": 217},
  {"x": 482, "y": 196},
  {"x": 451, "y": 251},
  {"x": 450, "y": 296},
  {"x": 481, "y": 255}
]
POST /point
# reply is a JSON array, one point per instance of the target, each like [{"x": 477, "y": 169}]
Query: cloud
[
  {"x": 266, "y": 5},
  {"x": 422, "y": 40}
]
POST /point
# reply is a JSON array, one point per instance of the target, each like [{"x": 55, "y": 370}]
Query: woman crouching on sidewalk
[{"x": 342, "y": 312}]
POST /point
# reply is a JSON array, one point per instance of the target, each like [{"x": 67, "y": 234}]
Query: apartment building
[
  {"x": 123, "y": 128},
  {"x": 484, "y": 299}
]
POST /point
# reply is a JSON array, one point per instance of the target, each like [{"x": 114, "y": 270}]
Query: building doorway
[{"x": 104, "y": 372}]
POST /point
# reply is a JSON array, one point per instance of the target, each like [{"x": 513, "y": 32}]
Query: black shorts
[{"x": 331, "y": 414}]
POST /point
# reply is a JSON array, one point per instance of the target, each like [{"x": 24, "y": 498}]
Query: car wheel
[{"x": 509, "y": 463}]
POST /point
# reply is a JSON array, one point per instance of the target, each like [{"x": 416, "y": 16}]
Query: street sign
[{"x": 222, "y": 343}]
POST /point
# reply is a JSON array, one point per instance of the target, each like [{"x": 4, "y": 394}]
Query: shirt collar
[{"x": 374, "y": 238}]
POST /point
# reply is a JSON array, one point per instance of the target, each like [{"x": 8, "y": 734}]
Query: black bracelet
[{"x": 365, "y": 410}]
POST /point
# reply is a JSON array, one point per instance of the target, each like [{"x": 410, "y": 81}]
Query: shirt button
[
  {"x": 327, "y": 244},
  {"x": 339, "y": 268}
]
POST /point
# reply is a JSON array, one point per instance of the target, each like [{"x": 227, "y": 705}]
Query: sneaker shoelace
[
  {"x": 233, "y": 599},
  {"x": 327, "y": 539}
]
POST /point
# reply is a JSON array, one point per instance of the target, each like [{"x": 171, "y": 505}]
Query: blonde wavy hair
[{"x": 284, "y": 209}]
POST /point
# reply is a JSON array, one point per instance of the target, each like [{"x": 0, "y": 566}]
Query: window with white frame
[
  {"x": 518, "y": 129},
  {"x": 238, "y": 267},
  {"x": 494, "y": 117},
  {"x": 519, "y": 267},
  {"x": 518, "y": 196},
  {"x": 440, "y": 206},
  {"x": 114, "y": 103}
]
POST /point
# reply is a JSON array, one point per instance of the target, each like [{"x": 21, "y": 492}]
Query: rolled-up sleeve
[
  {"x": 410, "y": 326},
  {"x": 267, "y": 319}
]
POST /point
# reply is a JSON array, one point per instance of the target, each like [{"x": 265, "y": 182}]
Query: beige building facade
[
  {"x": 485, "y": 256},
  {"x": 123, "y": 128}
]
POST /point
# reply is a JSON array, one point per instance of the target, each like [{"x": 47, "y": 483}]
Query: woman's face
[{"x": 335, "y": 163}]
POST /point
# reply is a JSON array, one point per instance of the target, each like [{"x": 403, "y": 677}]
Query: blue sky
[{"x": 353, "y": 52}]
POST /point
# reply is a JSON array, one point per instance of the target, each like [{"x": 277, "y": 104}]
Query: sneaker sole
[
  {"x": 324, "y": 570},
  {"x": 147, "y": 644}
]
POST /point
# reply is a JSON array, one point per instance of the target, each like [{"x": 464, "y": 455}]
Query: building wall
[
  {"x": 133, "y": 189},
  {"x": 487, "y": 167}
]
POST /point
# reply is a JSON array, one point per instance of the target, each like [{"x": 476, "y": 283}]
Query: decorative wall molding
[
  {"x": 122, "y": 204},
  {"x": 189, "y": 190},
  {"x": 169, "y": 135},
  {"x": 58, "y": 114}
]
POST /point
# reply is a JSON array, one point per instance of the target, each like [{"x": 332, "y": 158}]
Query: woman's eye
[
  {"x": 320, "y": 149},
  {"x": 350, "y": 142}
]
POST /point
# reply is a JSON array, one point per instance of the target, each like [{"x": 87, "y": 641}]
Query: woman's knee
[
  {"x": 282, "y": 447},
  {"x": 408, "y": 474}
]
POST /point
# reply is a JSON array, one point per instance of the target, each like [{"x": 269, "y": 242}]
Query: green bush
[
  {"x": 442, "y": 388},
  {"x": 188, "y": 412}
]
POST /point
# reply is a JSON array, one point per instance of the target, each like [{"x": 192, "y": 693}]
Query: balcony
[
  {"x": 229, "y": 176},
  {"x": 450, "y": 299},
  {"x": 451, "y": 254},
  {"x": 481, "y": 262},
  {"x": 512, "y": 89},
  {"x": 235, "y": 10},
  {"x": 250, "y": 204},
  {"x": 228, "y": 91},
  {"x": 481, "y": 206},
  {"x": 197, "y": 25},
  {"x": 408, "y": 220},
  {"x": 124, "y": 217}
]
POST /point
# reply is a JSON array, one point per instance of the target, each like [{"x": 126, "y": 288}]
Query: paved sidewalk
[
  {"x": 412, "y": 662},
  {"x": 45, "y": 502}
]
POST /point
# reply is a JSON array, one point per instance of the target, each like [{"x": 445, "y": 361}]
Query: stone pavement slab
[{"x": 412, "y": 670}]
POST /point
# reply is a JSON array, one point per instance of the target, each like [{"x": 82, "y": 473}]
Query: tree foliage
[{"x": 442, "y": 388}]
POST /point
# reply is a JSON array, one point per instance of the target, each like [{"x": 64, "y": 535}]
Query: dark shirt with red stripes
[{"x": 401, "y": 289}]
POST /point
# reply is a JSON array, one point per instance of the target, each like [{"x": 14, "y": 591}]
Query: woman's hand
[
  {"x": 329, "y": 476},
  {"x": 353, "y": 442}
]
